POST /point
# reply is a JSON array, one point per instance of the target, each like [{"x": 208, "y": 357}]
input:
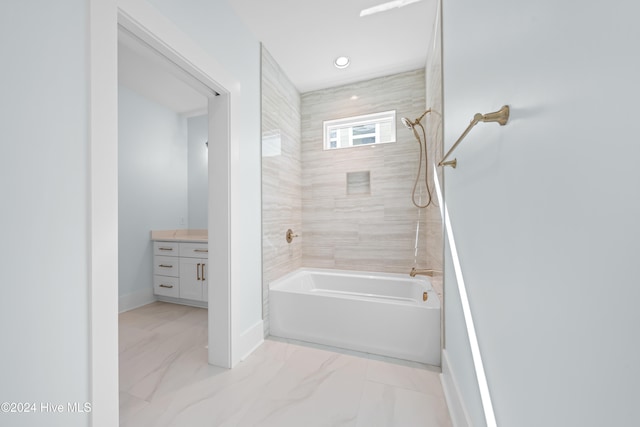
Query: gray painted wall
[
  {"x": 152, "y": 187},
  {"x": 44, "y": 188},
  {"x": 197, "y": 169},
  {"x": 545, "y": 209}
]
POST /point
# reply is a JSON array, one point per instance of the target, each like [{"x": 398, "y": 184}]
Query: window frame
[{"x": 376, "y": 119}]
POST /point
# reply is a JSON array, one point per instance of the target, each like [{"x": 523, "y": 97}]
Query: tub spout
[{"x": 428, "y": 272}]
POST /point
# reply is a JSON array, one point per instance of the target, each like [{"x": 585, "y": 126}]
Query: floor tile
[
  {"x": 387, "y": 406},
  {"x": 165, "y": 381},
  {"x": 422, "y": 379},
  {"x": 313, "y": 388}
]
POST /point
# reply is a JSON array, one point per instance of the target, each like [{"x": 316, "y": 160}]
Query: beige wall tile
[
  {"x": 281, "y": 176},
  {"x": 375, "y": 231}
]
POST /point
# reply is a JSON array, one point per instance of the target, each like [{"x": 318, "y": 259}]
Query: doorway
[
  {"x": 216, "y": 109},
  {"x": 162, "y": 185},
  {"x": 234, "y": 321}
]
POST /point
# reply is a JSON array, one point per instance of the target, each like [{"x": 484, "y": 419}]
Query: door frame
[{"x": 146, "y": 23}]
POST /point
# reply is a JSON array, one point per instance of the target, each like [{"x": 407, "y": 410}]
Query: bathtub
[{"x": 380, "y": 313}]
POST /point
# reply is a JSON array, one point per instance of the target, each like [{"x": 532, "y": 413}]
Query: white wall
[
  {"x": 44, "y": 213},
  {"x": 216, "y": 28},
  {"x": 197, "y": 128},
  {"x": 152, "y": 188},
  {"x": 45, "y": 168},
  {"x": 545, "y": 210}
]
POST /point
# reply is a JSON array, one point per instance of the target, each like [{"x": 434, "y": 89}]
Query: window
[{"x": 377, "y": 128}]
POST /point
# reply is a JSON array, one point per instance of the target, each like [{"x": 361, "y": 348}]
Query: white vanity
[{"x": 180, "y": 266}]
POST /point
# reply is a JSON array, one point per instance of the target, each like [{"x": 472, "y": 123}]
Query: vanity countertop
[{"x": 184, "y": 235}]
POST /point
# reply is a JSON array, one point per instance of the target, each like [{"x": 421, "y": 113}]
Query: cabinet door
[{"x": 191, "y": 283}]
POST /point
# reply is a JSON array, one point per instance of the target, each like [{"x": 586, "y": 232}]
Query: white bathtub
[{"x": 380, "y": 313}]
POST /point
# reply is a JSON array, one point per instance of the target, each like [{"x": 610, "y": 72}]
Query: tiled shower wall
[
  {"x": 281, "y": 176},
  {"x": 351, "y": 207},
  {"x": 357, "y": 212}
]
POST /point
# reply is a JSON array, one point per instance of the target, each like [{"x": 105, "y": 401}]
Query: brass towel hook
[{"x": 501, "y": 116}]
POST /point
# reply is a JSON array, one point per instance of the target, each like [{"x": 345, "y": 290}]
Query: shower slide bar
[{"x": 501, "y": 116}]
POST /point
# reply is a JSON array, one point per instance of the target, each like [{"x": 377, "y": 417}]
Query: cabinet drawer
[
  {"x": 166, "y": 248},
  {"x": 194, "y": 250},
  {"x": 166, "y": 286},
  {"x": 166, "y": 266}
]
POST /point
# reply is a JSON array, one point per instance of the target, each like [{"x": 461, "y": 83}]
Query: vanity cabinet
[{"x": 180, "y": 271}]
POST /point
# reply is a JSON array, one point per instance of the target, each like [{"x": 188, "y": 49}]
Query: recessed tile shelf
[{"x": 358, "y": 183}]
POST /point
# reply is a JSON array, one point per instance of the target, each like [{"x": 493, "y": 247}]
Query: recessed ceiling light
[
  {"x": 386, "y": 6},
  {"x": 341, "y": 62}
]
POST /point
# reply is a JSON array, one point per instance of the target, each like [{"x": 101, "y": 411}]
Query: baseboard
[
  {"x": 457, "y": 411},
  {"x": 135, "y": 299},
  {"x": 182, "y": 301},
  {"x": 250, "y": 340}
]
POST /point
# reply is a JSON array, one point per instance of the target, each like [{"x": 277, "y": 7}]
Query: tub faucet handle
[{"x": 290, "y": 235}]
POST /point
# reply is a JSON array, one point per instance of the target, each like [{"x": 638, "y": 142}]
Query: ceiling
[{"x": 305, "y": 37}]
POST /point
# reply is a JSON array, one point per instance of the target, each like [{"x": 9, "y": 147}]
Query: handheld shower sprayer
[
  {"x": 423, "y": 146},
  {"x": 410, "y": 124}
]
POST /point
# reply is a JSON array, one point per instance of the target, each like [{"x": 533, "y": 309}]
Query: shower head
[{"x": 410, "y": 124}]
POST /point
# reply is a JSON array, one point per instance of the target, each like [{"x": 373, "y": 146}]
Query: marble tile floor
[{"x": 165, "y": 381}]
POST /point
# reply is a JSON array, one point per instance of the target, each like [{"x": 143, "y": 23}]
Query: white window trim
[{"x": 351, "y": 122}]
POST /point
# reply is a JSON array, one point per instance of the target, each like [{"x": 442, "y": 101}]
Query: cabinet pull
[
  {"x": 166, "y": 286},
  {"x": 198, "y": 271},
  {"x": 201, "y": 250},
  {"x": 165, "y": 249},
  {"x": 165, "y": 266},
  {"x": 203, "y": 279}
]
